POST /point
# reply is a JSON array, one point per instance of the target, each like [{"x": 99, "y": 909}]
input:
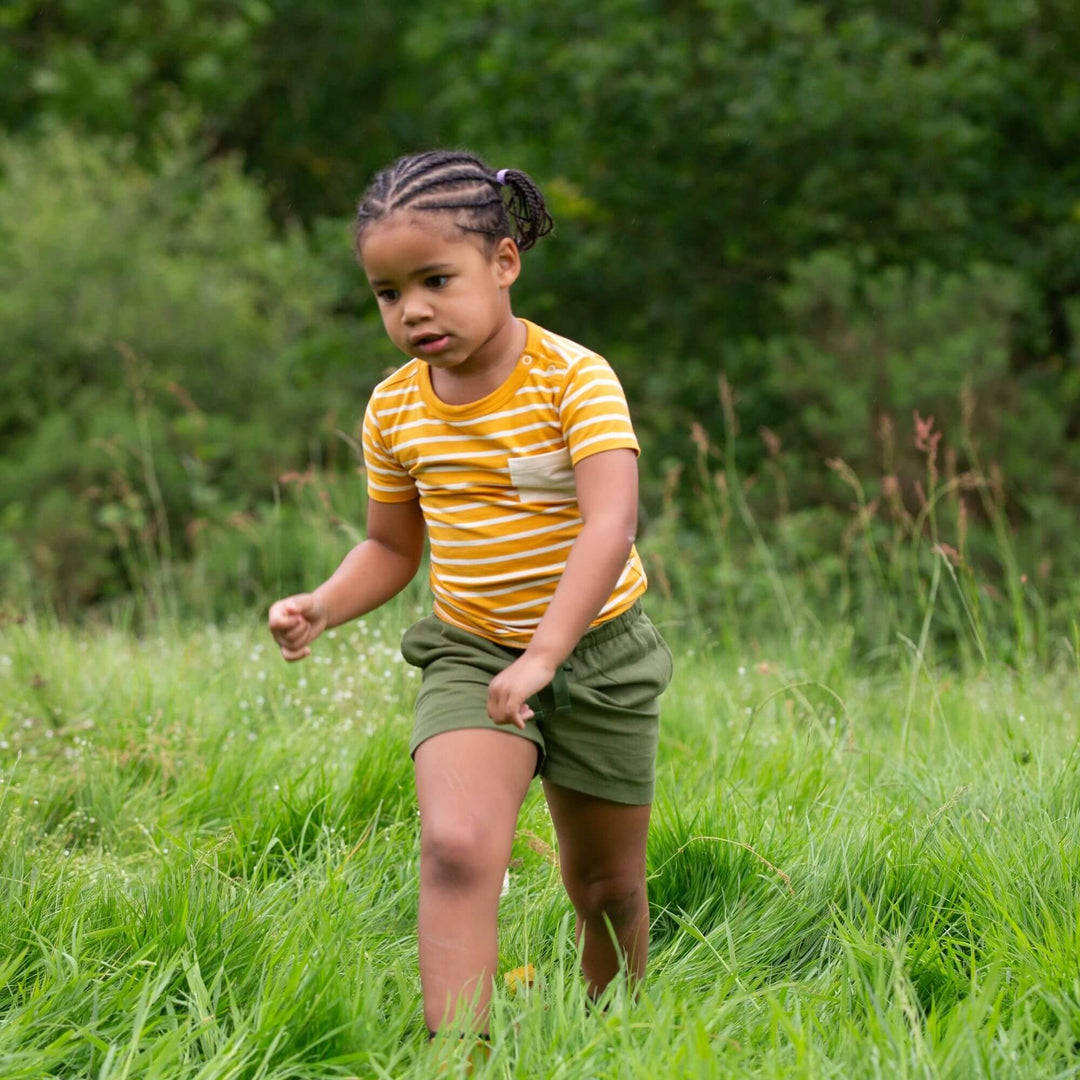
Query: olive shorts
[{"x": 596, "y": 724}]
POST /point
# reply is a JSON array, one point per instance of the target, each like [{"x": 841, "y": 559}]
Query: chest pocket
[{"x": 544, "y": 477}]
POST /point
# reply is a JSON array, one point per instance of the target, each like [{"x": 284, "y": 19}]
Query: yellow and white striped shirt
[{"x": 495, "y": 480}]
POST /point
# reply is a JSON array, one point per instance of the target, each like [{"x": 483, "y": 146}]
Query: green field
[{"x": 859, "y": 867}]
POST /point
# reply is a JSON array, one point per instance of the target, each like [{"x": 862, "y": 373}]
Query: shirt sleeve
[
  {"x": 593, "y": 411},
  {"x": 387, "y": 481}
]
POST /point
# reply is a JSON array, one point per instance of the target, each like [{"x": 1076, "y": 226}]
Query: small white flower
[{"x": 742, "y": 670}]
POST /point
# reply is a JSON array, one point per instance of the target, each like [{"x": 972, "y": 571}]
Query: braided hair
[{"x": 455, "y": 181}]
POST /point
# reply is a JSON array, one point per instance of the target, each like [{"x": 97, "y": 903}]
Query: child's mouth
[{"x": 431, "y": 343}]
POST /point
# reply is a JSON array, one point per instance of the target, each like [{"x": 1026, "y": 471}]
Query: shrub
[{"x": 164, "y": 354}]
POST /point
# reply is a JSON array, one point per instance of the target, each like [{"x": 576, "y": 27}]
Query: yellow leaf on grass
[{"x": 521, "y": 978}]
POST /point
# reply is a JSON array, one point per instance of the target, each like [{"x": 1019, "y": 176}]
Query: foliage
[
  {"x": 864, "y": 354},
  {"x": 123, "y": 68},
  {"x": 163, "y": 357},
  {"x": 852, "y": 209}
]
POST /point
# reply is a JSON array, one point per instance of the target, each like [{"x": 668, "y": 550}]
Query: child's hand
[
  {"x": 509, "y": 689},
  {"x": 295, "y": 622}
]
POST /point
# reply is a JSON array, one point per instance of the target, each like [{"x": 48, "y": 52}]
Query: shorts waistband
[{"x": 612, "y": 628}]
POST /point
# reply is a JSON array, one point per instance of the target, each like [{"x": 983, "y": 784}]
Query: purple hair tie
[{"x": 500, "y": 177}]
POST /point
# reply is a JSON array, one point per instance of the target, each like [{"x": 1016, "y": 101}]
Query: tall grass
[
  {"x": 928, "y": 568},
  {"x": 863, "y": 859},
  {"x": 209, "y": 868}
]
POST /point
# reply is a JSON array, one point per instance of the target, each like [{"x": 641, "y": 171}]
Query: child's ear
[{"x": 506, "y": 260}]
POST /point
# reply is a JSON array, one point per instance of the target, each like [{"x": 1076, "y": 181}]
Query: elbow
[
  {"x": 412, "y": 556},
  {"x": 415, "y": 563}
]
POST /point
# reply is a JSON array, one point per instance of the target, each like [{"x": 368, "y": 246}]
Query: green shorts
[{"x": 596, "y": 725}]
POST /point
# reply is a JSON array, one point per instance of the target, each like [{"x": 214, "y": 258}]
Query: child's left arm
[{"x": 607, "y": 493}]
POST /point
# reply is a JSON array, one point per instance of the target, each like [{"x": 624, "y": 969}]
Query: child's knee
[
  {"x": 616, "y": 895},
  {"x": 460, "y": 854}
]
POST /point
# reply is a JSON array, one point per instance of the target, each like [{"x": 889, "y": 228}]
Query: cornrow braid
[{"x": 455, "y": 181}]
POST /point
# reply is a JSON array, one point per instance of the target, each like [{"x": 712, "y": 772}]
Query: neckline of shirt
[{"x": 502, "y": 393}]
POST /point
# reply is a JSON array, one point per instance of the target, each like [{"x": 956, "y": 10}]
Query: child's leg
[
  {"x": 470, "y": 785},
  {"x": 602, "y": 855}
]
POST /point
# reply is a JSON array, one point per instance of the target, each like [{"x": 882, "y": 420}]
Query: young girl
[{"x": 511, "y": 448}]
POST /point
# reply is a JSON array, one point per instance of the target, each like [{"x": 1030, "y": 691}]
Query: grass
[{"x": 209, "y": 868}]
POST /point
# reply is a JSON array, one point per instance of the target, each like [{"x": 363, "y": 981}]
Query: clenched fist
[{"x": 295, "y": 622}]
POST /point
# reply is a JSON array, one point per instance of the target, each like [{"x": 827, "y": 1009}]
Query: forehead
[{"x": 402, "y": 243}]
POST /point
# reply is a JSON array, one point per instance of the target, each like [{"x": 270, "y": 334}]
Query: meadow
[
  {"x": 833, "y": 251},
  {"x": 858, "y": 866}
]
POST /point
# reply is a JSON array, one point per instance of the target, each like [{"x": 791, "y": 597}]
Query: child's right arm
[{"x": 374, "y": 571}]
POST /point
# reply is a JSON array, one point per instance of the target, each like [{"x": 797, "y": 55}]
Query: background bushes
[{"x": 856, "y": 213}]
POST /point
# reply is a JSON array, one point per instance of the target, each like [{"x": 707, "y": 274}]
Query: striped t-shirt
[{"x": 495, "y": 479}]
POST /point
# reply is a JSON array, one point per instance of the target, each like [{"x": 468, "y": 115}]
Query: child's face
[{"x": 441, "y": 296}]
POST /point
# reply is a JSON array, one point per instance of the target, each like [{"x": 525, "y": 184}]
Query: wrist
[
  {"x": 546, "y": 653},
  {"x": 322, "y": 607}
]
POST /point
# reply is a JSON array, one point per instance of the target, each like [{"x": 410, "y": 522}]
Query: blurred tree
[
  {"x": 164, "y": 355},
  {"x": 334, "y": 101},
  {"x": 120, "y": 68},
  {"x": 699, "y": 156},
  {"x": 313, "y": 95}
]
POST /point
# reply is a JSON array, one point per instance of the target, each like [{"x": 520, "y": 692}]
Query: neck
[
  {"x": 488, "y": 367},
  {"x": 501, "y": 351}
]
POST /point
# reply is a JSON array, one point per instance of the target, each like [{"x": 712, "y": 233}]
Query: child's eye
[
  {"x": 387, "y": 296},
  {"x": 436, "y": 281}
]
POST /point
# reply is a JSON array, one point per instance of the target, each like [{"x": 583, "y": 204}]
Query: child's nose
[{"x": 415, "y": 309}]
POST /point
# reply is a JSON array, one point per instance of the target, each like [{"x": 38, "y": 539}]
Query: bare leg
[
  {"x": 470, "y": 785},
  {"x": 602, "y": 854}
]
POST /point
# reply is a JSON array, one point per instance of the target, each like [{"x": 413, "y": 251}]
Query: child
[{"x": 511, "y": 448}]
